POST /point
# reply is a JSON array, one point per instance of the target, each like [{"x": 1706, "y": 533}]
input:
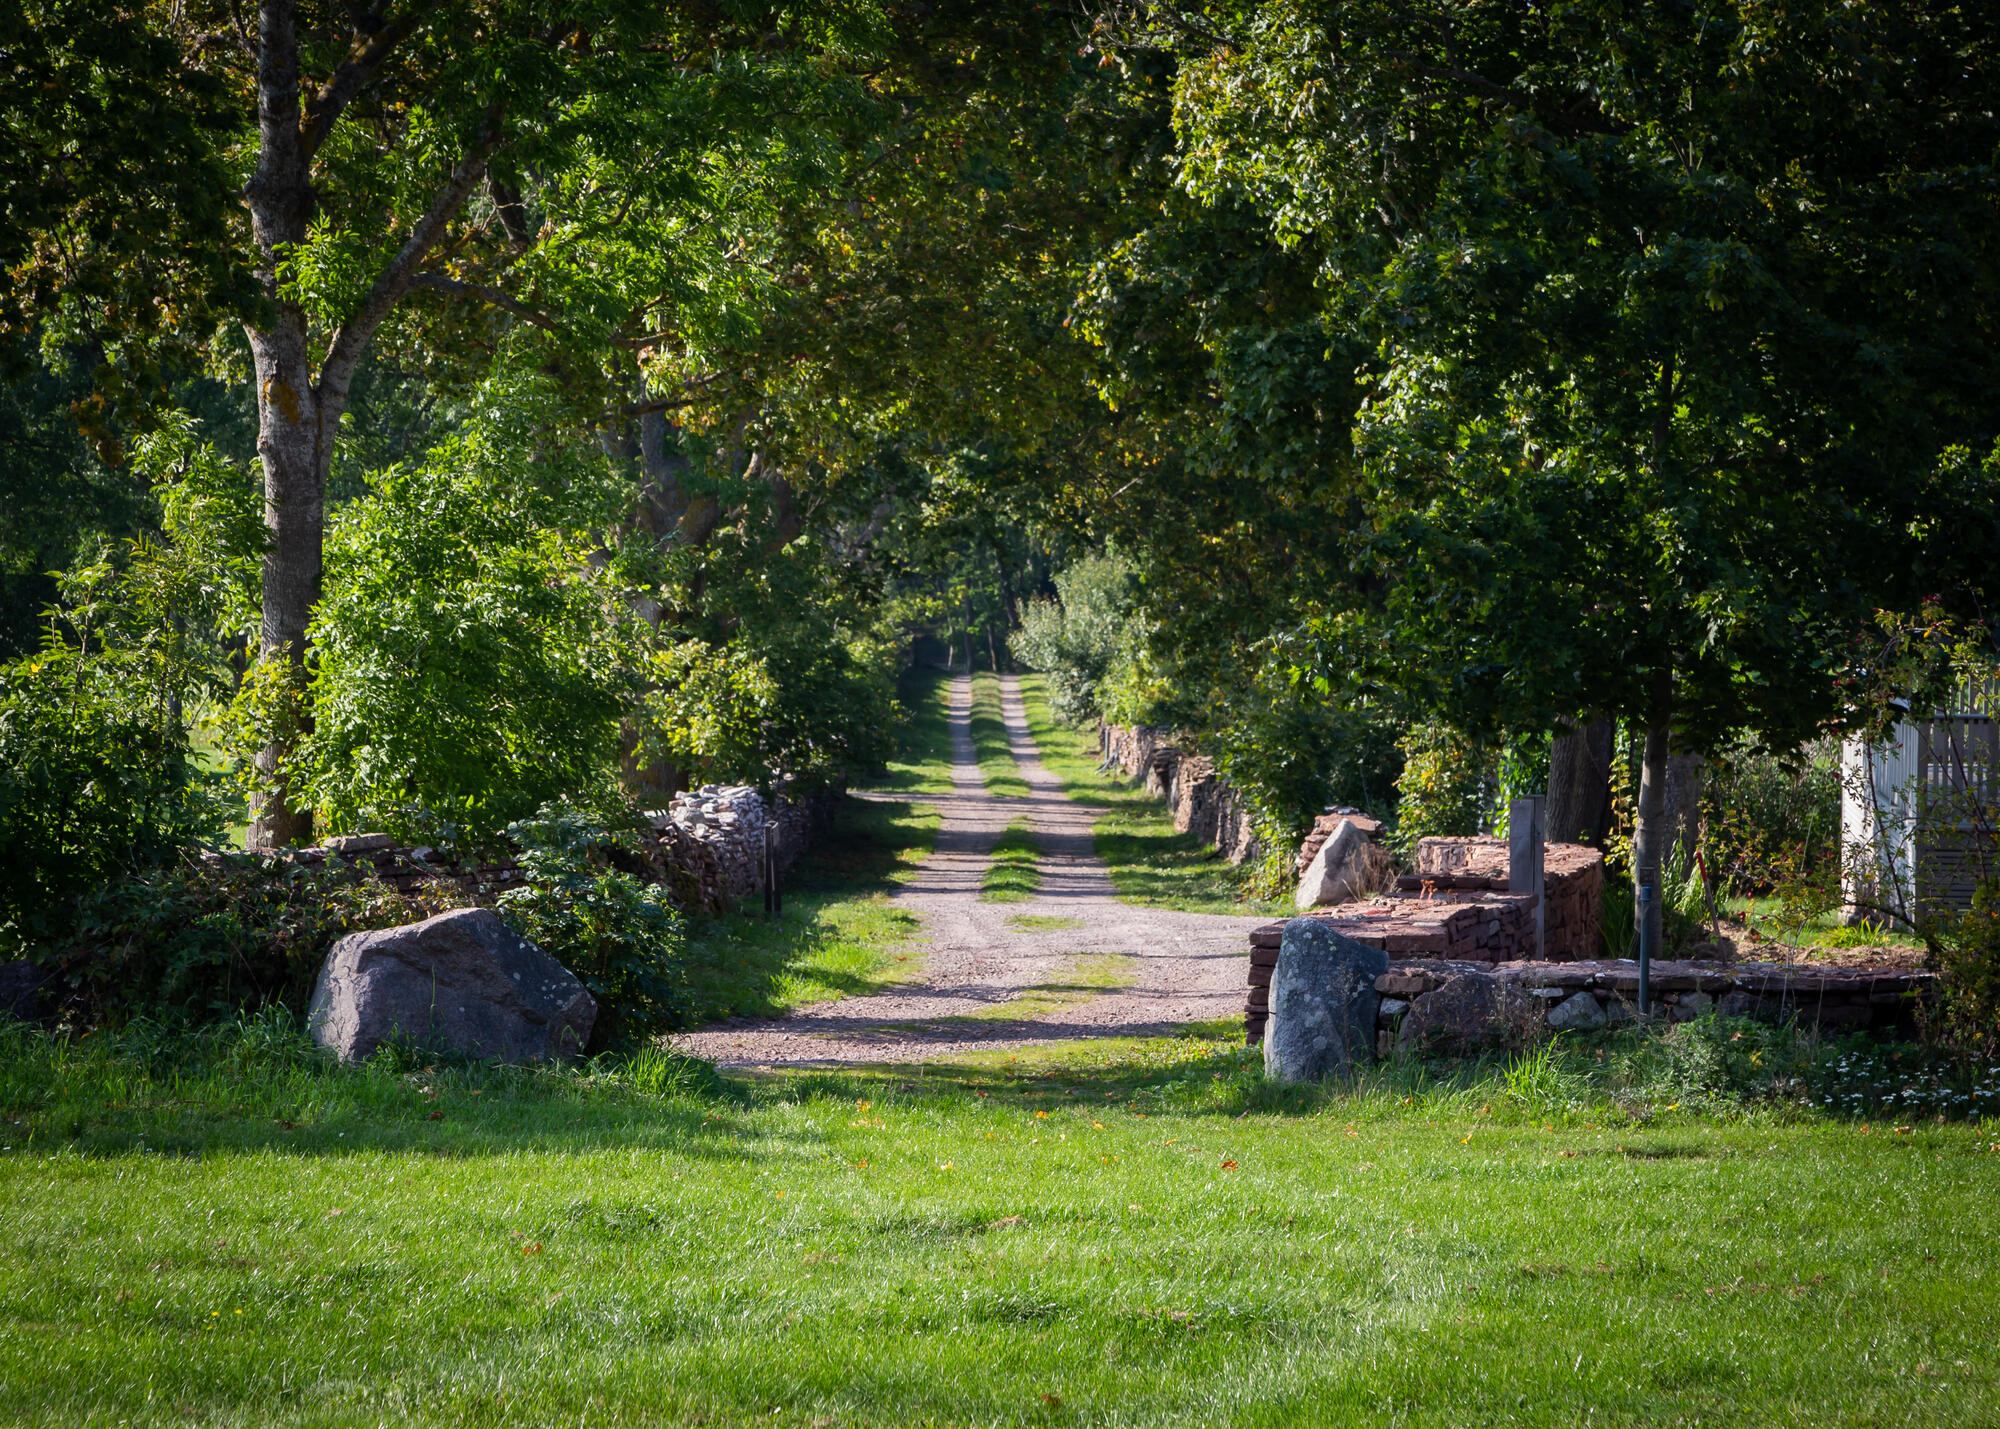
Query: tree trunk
[
  {"x": 1651, "y": 831},
  {"x": 298, "y": 410},
  {"x": 295, "y": 428},
  {"x": 1579, "y": 808},
  {"x": 1684, "y": 782},
  {"x": 289, "y": 427}
]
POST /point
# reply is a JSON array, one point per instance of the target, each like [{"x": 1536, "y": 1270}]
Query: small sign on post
[{"x": 1525, "y": 853}]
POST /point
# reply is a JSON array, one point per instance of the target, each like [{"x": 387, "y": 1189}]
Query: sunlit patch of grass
[
  {"x": 989, "y": 741},
  {"x": 1043, "y": 923},
  {"x": 838, "y": 935},
  {"x": 1087, "y": 976},
  {"x": 923, "y": 763},
  {"x": 1825, "y": 931},
  {"x": 1151, "y": 864},
  {"x": 1013, "y": 874}
]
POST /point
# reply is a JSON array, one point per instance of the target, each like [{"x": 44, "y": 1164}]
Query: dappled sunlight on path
[{"x": 1069, "y": 962}]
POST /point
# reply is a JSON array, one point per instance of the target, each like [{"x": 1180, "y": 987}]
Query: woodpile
[
  {"x": 707, "y": 847},
  {"x": 1201, "y": 802}
]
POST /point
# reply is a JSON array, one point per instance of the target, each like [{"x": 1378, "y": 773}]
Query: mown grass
[
  {"x": 922, "y": 764},
  {"x": 1150, "y": 863},
  {"x": 989, "y": 740},
  {"x": 1137, "y": 1233},
  {"x": 838, "y": 935},
  {"x": 1013, "y": 875}
]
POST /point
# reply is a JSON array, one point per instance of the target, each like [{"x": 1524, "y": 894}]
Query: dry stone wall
[
  {"x": 1202, "y": 804},
  {"x": 707, "y": 846},
  {"x": 1456, "y": 906},
  {"x": 1443, "y": 1005}
]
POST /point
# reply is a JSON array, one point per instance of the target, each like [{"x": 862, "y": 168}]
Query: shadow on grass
[{"x": 923, "y": 766}]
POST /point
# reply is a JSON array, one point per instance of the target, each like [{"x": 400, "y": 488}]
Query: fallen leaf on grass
[
  {"x": 1229, "y": 1165},
  {"x": 533, "y": 1247},
  {"x": 435, "y": 1116}
]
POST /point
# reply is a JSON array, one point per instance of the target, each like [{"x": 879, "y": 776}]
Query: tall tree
[
  {"x": 1676, "y": 312},
  {"x": 523, "y": 179}
]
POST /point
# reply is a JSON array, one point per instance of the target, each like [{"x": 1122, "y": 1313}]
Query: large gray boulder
[
  {"x": 1323, "y": 1003},
  {"x": 462, "y": 981},
  {"x": 1348, "y": 865}
]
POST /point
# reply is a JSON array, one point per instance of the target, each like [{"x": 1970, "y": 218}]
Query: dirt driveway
[{"x": 1071, "y": 962}]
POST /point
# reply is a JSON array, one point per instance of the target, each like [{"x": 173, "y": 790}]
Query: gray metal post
[
  {"x": 770, "y": 877},
  {"x": 1526, "y": 855},
  {"x": 1646, "y": 895}
]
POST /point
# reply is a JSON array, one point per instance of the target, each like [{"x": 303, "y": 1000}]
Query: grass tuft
[
  {"x": 1013, "y": 875},
  {"x": 989, "y": 741}
]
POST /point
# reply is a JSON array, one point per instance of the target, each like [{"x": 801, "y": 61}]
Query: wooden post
[
  {"x": 1525, "y": 854},
  {"x": 770, "y": 880}
]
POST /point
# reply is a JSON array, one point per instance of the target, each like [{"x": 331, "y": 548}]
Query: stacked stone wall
[
  {"x": 1457, "y": 907},
  {"x": 707, "y": 846},
  {"x": 1202, "y": 804},
  {"x": 1427, "y": 1005}
]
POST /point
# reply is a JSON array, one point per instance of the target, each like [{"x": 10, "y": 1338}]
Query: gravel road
[{"x": 990, "y": 976}]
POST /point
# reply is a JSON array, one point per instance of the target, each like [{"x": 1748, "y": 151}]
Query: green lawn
[
  {"x": 1129, "y": 1233},
  {"x": 923, "y": 763},
  {"x": 989, "y": 740},
  {"x": 1150, "y": 863},
  {"x": 1825, "y": 931},
  {"x": 1012, "y": 876}
]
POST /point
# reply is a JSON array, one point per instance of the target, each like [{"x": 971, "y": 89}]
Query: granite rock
[{"x": 462, "y": 981}]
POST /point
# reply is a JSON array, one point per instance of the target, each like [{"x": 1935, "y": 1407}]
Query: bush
[
  {"x": 1965, "y": 950},
  {"x": 618, "y": 933},
  {"x": 469, "y": 656},
  {"x": 1442, "y": 789},
  {"x": 1772, "y": 821},
  {"x": 1077, "y": 638},
  {"x": 98, "y": 778},
  {"x": 197, "y": 941}
]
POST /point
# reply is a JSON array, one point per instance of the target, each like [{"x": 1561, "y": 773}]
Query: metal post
[
  {"x": 1526, "y": 853},
  {"x": 1646, "y": 894},
  {"x": 770, "y": 883}
]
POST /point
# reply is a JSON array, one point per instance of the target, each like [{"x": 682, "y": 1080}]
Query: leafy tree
[
  {"x": 99, "y": 777},
  {"x": 1078, "y": 637},
  {"x": 470, "y": 660},
  {"x": 1674, "y": 313},
  {"x": 464, "y": 180}
]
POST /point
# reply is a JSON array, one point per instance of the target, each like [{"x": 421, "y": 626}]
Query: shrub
[
  {"x": 1965, "y": 950},
  {"x": 1442, "y": 789},
  {"x": 200, "y": 940},
  {"x": 1077, "y": 638},
  {"x": 469, "y": 657},
  {"x": 1773, "y": 821},
  {"x": 98, "y": 777},
  {"x": 619, "y": 934}
]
